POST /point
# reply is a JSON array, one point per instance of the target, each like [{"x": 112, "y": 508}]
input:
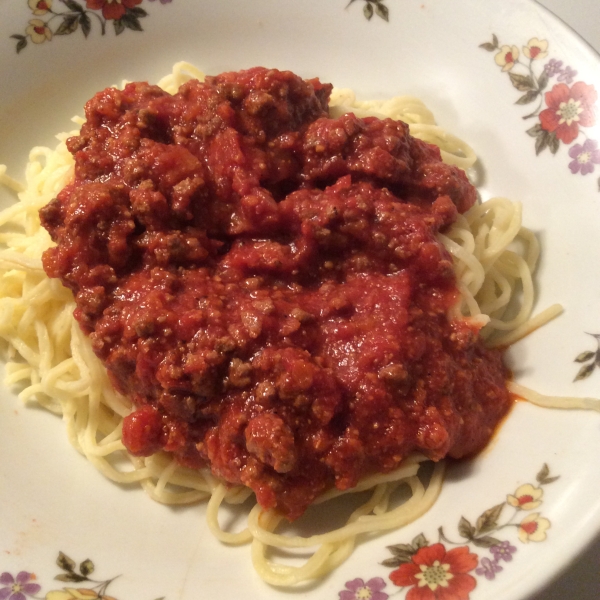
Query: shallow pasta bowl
[{"x": 503, "y": 77}]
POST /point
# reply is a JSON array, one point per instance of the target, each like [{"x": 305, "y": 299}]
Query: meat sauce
[{"x": 265, "y": 283}]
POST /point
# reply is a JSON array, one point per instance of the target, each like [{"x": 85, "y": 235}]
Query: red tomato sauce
[{"x": 265, "y": 283}]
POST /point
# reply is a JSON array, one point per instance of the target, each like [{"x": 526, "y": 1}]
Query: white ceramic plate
[{"x": 52, "y": 501}]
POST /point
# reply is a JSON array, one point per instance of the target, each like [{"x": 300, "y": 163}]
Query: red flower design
[
  {"x": 437, "y": 574},
  {"x": 568, "y": 108},
  {"x": 112, "y": 9}
]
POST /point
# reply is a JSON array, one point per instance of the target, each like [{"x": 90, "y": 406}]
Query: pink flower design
[
  {"x": 584, "y": 157},
  {"x": 568, "y": 109},
  {"x": 19, "y": 587},
  {"x": 357, "y": 589}
]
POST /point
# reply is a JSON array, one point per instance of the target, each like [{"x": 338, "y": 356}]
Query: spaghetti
[{"x": 52, "y": 360}]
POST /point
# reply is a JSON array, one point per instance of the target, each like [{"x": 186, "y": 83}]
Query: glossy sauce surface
[{"x": 265, "y": 283}]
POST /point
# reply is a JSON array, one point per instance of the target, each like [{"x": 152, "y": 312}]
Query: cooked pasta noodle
[{"x": 52, "y": 360}]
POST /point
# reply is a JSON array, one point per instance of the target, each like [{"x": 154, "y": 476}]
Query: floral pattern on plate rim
[
  {"x": 374, "y": 7},
  {"x": 48, "y": 21},
  {"x": 24, "y": 585},
  {"x": 427, "y": 571},
  {"x": 590, "y": 358},
  {"x": 564, "y": 113}
]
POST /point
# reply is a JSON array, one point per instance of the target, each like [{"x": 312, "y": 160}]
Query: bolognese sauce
[{"x": 265, "y": 284}]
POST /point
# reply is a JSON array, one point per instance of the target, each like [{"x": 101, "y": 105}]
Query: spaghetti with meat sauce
[{"x": 265, "y": 283}]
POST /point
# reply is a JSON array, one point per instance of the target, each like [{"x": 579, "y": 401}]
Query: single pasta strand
[
  {"x": 562, "y": 402},
  {"x": 9, "y": 182},
  {"x": 212, "y": 512},
  {"x": 529, "y": 327}
]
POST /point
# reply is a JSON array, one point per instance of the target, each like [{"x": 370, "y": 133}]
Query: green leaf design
[
  {"x": 399, "y": 558},
  {"x": 543, "y": 476},
  {"x": 465, "y": 529},
  {"x": 541, "y": 142},
  {"x": 488, "y": 520},
  {"x": 69, "y": 25},
  {"x": 86, "y": 567},
  {"x": 368, "y": 11},
  {"x": 490, "y": 46},
  {"x": 420, "y": 542},
  {"x": 485, "y": 541},
  {"x": 585, "y": 372},
  {"x": 65, "y": 563},
  {"x": 22, "y": 42},
  {"x": 530, "y": 96},
  {"x": 72, "y": 5},
  {"x": 553, "y": 143},
  {"x": 137, "y": 12},
  {"x": 535, "y": 130},
  {"x": 86, "y": 24},
  {"x": 119, "y": 27},
  {"x": 401, "y": 549},
  {"x": 71, "y": 577},
  {"x": 544, "y": 472},
  {"x": 393, "y": 563},
  {"x": 585, "y": 356},
  {"x": 131, "y": 21},
  {"x": 542, "y": 80},
  {"x": 523, "y": 83},
  {"x": 403, "y": 553},
  {"x": 550, "y": 480},
  {"x": 382, "y": 11}
]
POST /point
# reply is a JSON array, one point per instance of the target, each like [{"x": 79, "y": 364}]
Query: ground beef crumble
[{"x": 265, "y": 283}]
